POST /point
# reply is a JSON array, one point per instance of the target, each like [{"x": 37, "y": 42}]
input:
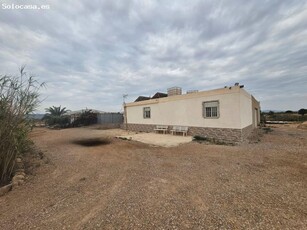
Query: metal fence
[{"x": 115, "y": 119}]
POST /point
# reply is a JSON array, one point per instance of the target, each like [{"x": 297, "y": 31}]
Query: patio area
[{"x": 164, "y": 140}]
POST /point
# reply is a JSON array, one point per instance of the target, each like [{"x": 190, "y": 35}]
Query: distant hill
[
  {"x": 275, "y": 111},
  {"x": 36, "y": 116}
]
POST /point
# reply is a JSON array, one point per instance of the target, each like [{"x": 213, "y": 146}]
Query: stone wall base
[
  {"x": 221, "y": 134},
  {"x": 140, "y": 128}
]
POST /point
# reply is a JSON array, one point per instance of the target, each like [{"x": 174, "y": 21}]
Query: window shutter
[{"x": 211, "y": 104}]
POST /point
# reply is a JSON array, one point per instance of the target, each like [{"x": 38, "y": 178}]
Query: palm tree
[
  {"x": 56, "y": 111},
  {"x": 56, "y": 116}
]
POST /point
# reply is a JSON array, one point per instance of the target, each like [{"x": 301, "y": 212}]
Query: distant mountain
[
  {"x": 36, "y": 116},
  {"x": 275, "y": 111}
]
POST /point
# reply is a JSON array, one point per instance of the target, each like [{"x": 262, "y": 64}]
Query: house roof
[
  {"x": 159, "y": 95},
  {"x": 142, "y": 98},
  {"x": 220, "y": 91}
]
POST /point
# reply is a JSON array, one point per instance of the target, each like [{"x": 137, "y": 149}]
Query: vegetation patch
[
  {"x": 56, "y": 117},
  {"x": 287, "y": 116},
  {"x": 89, "y": 142},
  {"x": 19, "y": 97}
]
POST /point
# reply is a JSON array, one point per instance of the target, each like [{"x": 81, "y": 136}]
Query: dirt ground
[{"x": 131, "y": 185}]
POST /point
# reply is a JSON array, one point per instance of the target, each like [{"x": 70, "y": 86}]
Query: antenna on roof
[
  {"x": 125, "y": 112},
  {"x": 124, "y": 98}
]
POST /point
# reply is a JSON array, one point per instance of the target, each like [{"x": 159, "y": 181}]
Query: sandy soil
[{"x": 131, "y": 185}]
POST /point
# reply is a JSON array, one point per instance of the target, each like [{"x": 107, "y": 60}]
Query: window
[
  {"x": 146, "y": 112},
  {"x": 211, "y": 109}
]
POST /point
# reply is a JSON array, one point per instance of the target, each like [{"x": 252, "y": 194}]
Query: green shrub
[
  {"x": 60, "y": 121},
  {"x": 87, "y": 117}
]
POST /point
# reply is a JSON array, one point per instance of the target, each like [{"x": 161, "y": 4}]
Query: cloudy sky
[{"x": 90, "y": 53}]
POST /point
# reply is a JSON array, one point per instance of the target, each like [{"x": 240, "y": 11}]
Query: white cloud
[{"x": 90, "y": 53}]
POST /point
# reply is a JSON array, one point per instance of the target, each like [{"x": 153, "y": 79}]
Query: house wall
[
  {"x": 234, "y": 124},
  {"x": 188, "y": 111},
  {"x": 246, "y": 113},
  {"x": 256, "y": 111}
]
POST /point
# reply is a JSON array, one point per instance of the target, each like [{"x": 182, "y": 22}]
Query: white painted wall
[
  {"x": 256, "y": 112},
  {"x": 246, "y": 112},
  {"x": 235, "y": 111}
]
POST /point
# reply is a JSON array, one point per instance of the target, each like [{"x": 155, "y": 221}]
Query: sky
[{"x": 90, "y": 53}]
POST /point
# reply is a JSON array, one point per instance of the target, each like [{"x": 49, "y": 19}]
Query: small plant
[{"x": 199, "y": 138}]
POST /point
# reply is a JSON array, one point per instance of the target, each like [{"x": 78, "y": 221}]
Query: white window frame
[
  {"x": 211, "y": 112},
  {"x": 146, "y": 112}
]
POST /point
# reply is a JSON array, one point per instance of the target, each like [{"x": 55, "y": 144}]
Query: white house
[{"x": 228, "y": 114}]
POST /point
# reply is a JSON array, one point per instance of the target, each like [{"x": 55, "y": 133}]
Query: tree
[
  {"x": 87, "y": 117},
  {"x": 302, "y": 112},
  {"x": 56, "y": 111},
  {"x": 56, "y": 117},
  {"x": 289, "y": 111}
]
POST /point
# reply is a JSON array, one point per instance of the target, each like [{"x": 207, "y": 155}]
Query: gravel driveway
[{"x": 130, "y": 185}]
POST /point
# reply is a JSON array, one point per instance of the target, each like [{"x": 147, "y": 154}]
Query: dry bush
[{"x": 18, "y": 98}]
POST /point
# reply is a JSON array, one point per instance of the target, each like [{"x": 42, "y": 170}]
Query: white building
[{"x": 228, "y": 114}]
